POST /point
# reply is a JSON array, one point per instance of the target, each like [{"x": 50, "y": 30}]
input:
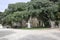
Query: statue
[
  {"x": 1, "y": 26},
  {"x": 28, "y": 25}
]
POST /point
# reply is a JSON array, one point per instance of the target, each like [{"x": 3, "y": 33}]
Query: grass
[{"x": 33, "y": 28}]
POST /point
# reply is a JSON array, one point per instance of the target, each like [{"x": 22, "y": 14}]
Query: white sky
[{"x": 4, "y": 3}]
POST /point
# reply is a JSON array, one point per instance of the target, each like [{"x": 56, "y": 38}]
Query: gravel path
[{"x": 16, "y": 34}]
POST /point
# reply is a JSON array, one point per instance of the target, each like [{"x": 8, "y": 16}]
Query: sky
[{"x": 4, "y": 3}]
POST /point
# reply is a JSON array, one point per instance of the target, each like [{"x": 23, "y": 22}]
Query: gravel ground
[{"x": 18, "y": 34}]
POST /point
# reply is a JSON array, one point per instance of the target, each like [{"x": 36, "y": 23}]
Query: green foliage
[
  {"x": 42, "y": 9},
  {"x": 17, "y": 7}
]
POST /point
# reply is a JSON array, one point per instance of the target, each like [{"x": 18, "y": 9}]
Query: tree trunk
[{"x": 41, "y": 24}]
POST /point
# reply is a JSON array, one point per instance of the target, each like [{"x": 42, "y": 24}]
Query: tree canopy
[{"x": 42, "y": 9}]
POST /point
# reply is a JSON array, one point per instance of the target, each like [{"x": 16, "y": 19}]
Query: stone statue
[
  {"x": 28, "y": 25},
  {"x": 1, "y": 26}
]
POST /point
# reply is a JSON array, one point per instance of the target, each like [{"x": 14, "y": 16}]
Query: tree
[
  {"x": 43, "y": 10},
  {"x": 47, "y": 9}
]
